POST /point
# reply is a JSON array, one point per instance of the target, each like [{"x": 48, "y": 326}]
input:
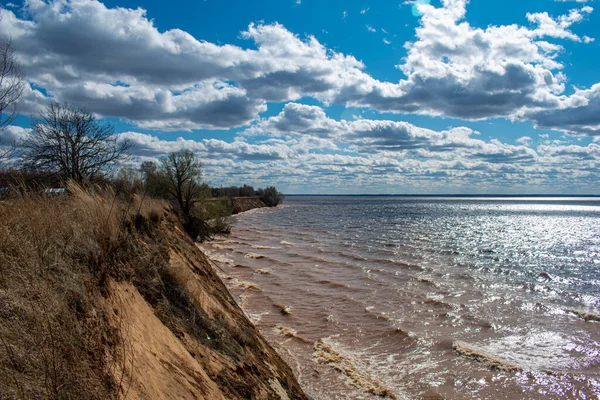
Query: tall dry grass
[{"x": 56, "y": 255}]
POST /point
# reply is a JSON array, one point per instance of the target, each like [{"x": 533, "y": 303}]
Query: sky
[{"x": 337, "y": 97}]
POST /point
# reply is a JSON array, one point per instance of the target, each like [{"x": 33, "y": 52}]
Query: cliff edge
[
  {"x": 101, "y": 298},
  {"x": 242, "y": 204},
  {"x": 192, "y": 340}
]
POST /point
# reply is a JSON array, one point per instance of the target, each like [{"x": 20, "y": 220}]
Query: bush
[
  {"x": 272, "y": 197},
  {"x": 209, "y": 218},
  {"x": 128, "y": 182}
]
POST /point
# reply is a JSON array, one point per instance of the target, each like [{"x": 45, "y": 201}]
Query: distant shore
[{"x": 459, "y": 196}]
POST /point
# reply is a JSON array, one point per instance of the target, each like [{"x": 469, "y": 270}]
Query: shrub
[
  {"x": 272, "y": 197},
  {"x": 209, "y": 218}
]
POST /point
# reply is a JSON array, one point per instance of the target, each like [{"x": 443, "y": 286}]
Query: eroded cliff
[{"x": 106, "y": 298}]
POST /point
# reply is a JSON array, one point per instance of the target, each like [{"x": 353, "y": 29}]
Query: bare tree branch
[
  {"x": 182, "y": 173},
  {"x": 8, "y": 148},
  {"x": 12, "y": 83},
  {"x": 70, "y": 142}
]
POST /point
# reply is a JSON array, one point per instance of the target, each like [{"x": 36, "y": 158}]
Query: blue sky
[{"x": 450, "y": 96}]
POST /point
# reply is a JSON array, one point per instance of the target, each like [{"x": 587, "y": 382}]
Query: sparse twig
[{"x": 11, "y": 357}]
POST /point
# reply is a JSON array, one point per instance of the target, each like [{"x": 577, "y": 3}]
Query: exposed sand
[
  {"x": 218, "y": 355},
  {"x": 158, "y": 366}
]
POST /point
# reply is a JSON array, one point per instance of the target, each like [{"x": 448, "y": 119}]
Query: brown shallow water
[{"x": 424, "y": 298}]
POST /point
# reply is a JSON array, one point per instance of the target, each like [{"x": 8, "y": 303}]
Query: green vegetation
[
  {"x": 177, "y": 178},
  {"x": 271, "y": 196}
]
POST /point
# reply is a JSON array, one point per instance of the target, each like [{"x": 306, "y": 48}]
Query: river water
[{"x": 424, "y": 297}]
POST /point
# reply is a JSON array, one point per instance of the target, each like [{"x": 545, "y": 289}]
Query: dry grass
[
  {"x": 61, "y": 339},
  {"x": 55, "y": 258}
]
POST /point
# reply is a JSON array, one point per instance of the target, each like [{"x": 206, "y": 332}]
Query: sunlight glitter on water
[{"x": 398, "y": 282}]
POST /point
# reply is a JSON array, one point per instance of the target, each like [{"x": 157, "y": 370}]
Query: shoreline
[
  {"x": 332, "y": 363},
  {"x": 244, "y": 204}
]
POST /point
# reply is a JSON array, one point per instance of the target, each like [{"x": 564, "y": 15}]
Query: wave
[
  {"x": 283, "y": 309},
  {"x": 326, "y": 353},
  {"x": 215, "y": 257},
  {"x": 264, "y": 271},
  {"x": 334, "y": 284},
  {"x": 480, "y": 355},
  {"x": 311, "y": 258},
  {"x": 233, "y": 241},
  {"x": 426, "y": 280},
  {"x": 343, "y": 254},
  {"x": 246, "y": 285},
  {"x": 262, "y": 247},
  {"x": 255, "y": 256},
  {"x": 586, "y": 316},
  {"x": 291, "y": 333},
  {"x": 476, "y": 321},
  {"x": 397, "y": 263},
  {"x": 438, "y": 303}
]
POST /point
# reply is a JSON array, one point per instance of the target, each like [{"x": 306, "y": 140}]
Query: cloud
[
  {"x": 389, "y": 137},
  {"x": 587, "y": 39},
  {"x": 524, "y": 140},
  {"x": 387, "y": 156},
  {"x": 454, "y": 69},
  {"x": 212, "y": 105},
  {"x": 115, "y": 62},
  {"x": 145, "y": 145},
  {"x": 574, "y": 152},
  {"x": 581, "y": 118},
  {"x": 13, "y": 134},
  {"x": 300, "y": 119}
]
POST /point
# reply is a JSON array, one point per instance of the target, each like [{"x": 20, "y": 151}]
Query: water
[{"x": 389, "y": 294}]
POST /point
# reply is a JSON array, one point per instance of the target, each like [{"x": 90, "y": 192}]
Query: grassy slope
[{"x": 105, "y": 299}]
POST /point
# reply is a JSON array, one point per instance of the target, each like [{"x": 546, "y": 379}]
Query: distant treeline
[
  {"x": 176, "y": 178},
  {"x": 236, "y": 191}
]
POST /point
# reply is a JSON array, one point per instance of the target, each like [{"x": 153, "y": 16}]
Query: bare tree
[
  {"x": 12, "y": 83},
  {"x": 70, "y": 142},
  {"x": 182, "y": 175},
  {"x": 8, "y": 148}
]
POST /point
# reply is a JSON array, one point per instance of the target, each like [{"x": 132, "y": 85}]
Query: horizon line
[{"x": 442, "y": 195}]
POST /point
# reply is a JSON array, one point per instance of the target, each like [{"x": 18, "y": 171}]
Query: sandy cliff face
[
  {"x": 190, "y": 340},
  {"x": 241, "y": 204}
]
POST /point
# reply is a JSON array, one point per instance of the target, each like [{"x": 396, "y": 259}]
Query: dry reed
[{"x": 56, "y": 255}]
